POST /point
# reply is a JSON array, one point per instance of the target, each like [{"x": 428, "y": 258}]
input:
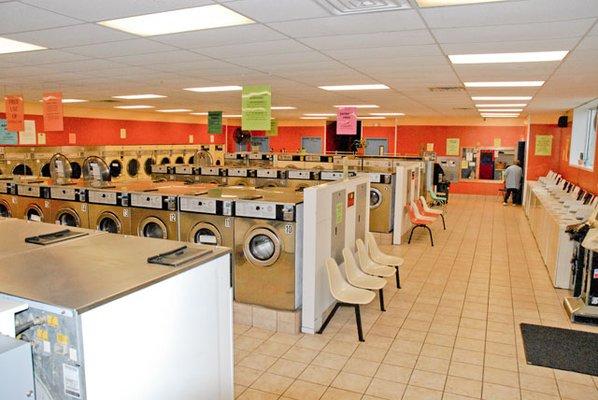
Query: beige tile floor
[{"x": 452, "y": 331}]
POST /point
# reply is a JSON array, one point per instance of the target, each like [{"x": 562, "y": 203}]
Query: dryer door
[
  {"x": 68, "y": 217},
  {"x": 205, "y": 233},
  {"x": 109, "y": 222},
  {"x": 5, "y": 210},
  {"x": 152, "y": 227},
  {"x": 34, "y": 213},
  {"x": 262, "y": 247}
]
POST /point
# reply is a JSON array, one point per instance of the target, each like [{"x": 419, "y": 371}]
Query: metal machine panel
[
  {"x": 338, "y": 225},
  {"x": 16, "y": 379},
  {"x": 360, "y": 210}
]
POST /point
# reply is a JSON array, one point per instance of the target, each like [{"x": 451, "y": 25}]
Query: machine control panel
[
  {"x": 8, "y": 187},
  {"x": 380, "y": 178},
  {"x": 265, "y": 210},
  {"x": 155, "y": 201},
  {"x": 289, "y": 157},
  {"x": 203, "y": 205},
  {"x": 33, "y": 191},
  {"x": 241, "y": 172},
  {"x": 102, "y": 197},
  {"x": 331, "y": 175},
  {"x": 183, "y": 170},
  {"x": 211, "y": 171},
  {"x": 68, "y": 193},
  {"x": 270, "y": 173},
  {"x": 160, "y": 169},
  {"x": 302, "y": 174},
  {"x": 260, "y": 156}
]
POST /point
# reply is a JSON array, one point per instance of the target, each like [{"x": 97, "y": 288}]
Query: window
[{"x": 583, "y": 137}]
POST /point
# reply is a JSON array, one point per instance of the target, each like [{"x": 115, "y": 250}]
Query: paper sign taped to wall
[
  {"x": 72, "y": 138},
  {"x": 339, "y": 212},
  {"x": 543, "y": 145},
  {"x": 191, "y": 138},
  {"x": 497, "y": 142},
  {"x": 429, "y": 146},
  {"x": 41, "y": 138},
  {"x": 27, "y": 136},
  {"x": 452, "y": 147},
  {"x": 123, "y": 133}
]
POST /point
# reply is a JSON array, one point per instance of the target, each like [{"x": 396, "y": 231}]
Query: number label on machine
[
  {"x": 288, "y": 229},
  {"x": 172, "y": 217},
  {"x": 125, "y": 212},
  {"x": 72, "y": 385},
  {"x": 228, "y": 222}
]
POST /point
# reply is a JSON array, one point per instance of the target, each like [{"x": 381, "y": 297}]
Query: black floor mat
[{"x": 559, "y": 348}]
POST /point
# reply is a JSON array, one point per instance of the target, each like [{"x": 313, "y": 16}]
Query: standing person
[{"x": 513, "y": 176}]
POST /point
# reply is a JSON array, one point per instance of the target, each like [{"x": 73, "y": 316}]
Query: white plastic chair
[
  {"x": 430, "y": 210},
  {"x": 368, "y": 265},
  {"x": 358, "y": 278},
  {"x": 382, "y": 258},
  {"x": 345, "y": 295}
]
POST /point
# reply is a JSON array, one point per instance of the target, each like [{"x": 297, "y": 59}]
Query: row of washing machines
[
  {"x": 262, "y": 226},
  {"x": 125, "y": 162}
]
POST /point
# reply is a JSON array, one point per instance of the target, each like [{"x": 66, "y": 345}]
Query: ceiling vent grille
[
  {"x": 347, "y": 7},
  {"x": 447, "y": 89}
]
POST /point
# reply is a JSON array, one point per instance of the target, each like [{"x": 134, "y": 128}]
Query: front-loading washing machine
[
  {"x": 238, "y": 176},
  {"x": 108, "y": 210},
  {"x": 215, "y": 175},
  {"x": 21, "y": 162},
  {"x": 261, "y": 160},
  {"x": 270, "y": 177},
  {"x": 163, "y": 172},
  {"x": 154, "y": 214},
  {"x": 69, "y": 206},
  {"x": 299, "y": 179},
  {"x": 381, "y": 201},
  {"x": 239, "y": 159},
  {"x": 318, "y": 162},
  {"x": 268, "y": 250},
  {"x": 147, "y": 159},
  {"x": 34, "y": 201},
  {"x": 289, "y": 161},
  {"x": 9, "y": 202},
  {"x": 206, "y": 220}
]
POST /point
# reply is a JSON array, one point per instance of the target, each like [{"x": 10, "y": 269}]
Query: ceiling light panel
[
  {"x": 213, "y": 89},
  {"x": 199, "y": 113},
  {"x": 358, "y": 106},
  {"x": 501, "y": 105},
  {"x": 375, "y": 86},
  {"x": 174, "y": 110},
  {"x": 72, "y": 101},
  {"x": 504, "y": 84},
  {"x": 319, "y": 115},
  {"x": 498, "y": 58},
  {"x": 139, "y": 96},
  {"x": 388, "y": 114},
  {"x": 444, "y": 3},
  {"x": 484, "y": 110},
  {"x": 185, "y": 20},
  {"x": 13, "y": 46},
  {"x": 232, "y": 115},
  {"x": 500, "y": 98},
  {"x": 371, "y": 118},
  {"x": 283, "y": 108}
]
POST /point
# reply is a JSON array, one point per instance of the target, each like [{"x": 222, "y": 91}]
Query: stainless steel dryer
[
  {"x": 270, "y": 177},
  {"x": 301, "y": 179},
  {"x": 206, "y": 220},
  {"x": 69, "y": 206},
  {"x": 268, "y": 250},
  {"x": 9, "y": 202},
  {"x": 34, "y": 201},
  {"x": 236, "y": 176},
  {"x": 214, "y": 175},
  {"x": 109, "y": 210}
]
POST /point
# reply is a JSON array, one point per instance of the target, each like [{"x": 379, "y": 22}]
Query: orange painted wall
[
  {"x": 540, "y": 165},
  {"x": 96, "y": 131}
]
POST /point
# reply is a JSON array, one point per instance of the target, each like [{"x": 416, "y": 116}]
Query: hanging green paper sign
[
  {"x": 255, "y": 106},
  {"x": 214, "y": 122},
  {"x": 273, "y": 129}
]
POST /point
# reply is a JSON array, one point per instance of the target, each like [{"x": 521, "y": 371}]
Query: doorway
[
  {"x": 311, "y": 144},
  {"x": 372, "y": 146},
  {"x": 260, "y": 143}
]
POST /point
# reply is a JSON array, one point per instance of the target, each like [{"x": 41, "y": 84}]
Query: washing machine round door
[
  {"x": 179, "y": 160},
  {"x": 205, "y": 233},
  {"x": 22, "y": 169},
  {"x": 45, "y": 171},
  {"x": 147, "y": 166},
  {"x": 68, "y": 217},
  {"x": 34, "y": 213},
  {"x": 165, "y": 161},
  {"x": 133, "y": 167},
  {"x": 5, "y": 209},
  {"x": 75, "y": 170},
  {"x": 116, "y": 168},
  {"x": 152, "y": 227},
  {"x": 108, "y": 222},
  {"x": 375, "y": 198},
  {"x": 262, "y": 247}
]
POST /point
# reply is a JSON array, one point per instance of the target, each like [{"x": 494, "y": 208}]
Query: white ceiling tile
[
  {"x": 514, "y": 32},
  {"x": 220, "y": 37},
  {"x": 40, "y": 57},
  {"x": 506, "y": 72},
  {"x": 167, "y": 57},
  {"x": 278, "y": 10},
  {"x": 85, "y": 66},
  {"x": 268, "y": 62},
  {"x": 99, "y": 10},
  {"x": 384, "y": 53},
  {"x": 75, "y": 35},
  {"x": 513, "y": 12},
  {"x": 255, "y": 49},
  {"x": 18, "y": 17},
  {"x": 510, "y": 46},
  {"x": 122, "y": 48},
  {"x": 367, "y": 40},
  {"x": 351, "y": 24}
]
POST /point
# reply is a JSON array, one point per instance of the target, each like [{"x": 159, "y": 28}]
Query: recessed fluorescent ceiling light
[
  {"x": 320, "y": 115},
  {"x": 70, "y": 101},
  {"x": 232, "y": 116},
  {"x": 442, "y": 3},
  {"x": 504, "y": 84},
  {"x": 483, "y": 110},
  {"x": 133, "y": 107},
  {"x": 499, "y": 98},
  {"x": 501, "y": 105},
  {"x": 13, "y": 46},
  {"x": 388, "y": 114},
  {"x": 184, "y": 20},
  {"x": 199, "y": 113},
  {"x": 210, "y": 89},
  {"x": 371, "y": 118},
  {"x": 358, "y": 106},
  {"x": 139, "y": 96},
  {"x": 496, "y": 58},
  {"x": 355, "y": 87},
  {"x": 283, "y": 108},
  {"x": 314, "y": 118},
  {"x": 499, "y": 115},
  {"x": 174, "y": 110}
]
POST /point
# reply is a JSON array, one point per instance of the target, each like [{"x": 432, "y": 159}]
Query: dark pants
[{"x": 508, "y": 193}]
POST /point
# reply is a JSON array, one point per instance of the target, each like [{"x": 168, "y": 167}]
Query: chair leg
[
  {"x": 443, "y": 224},
  {"x": 381, "y": 295},
  {"x": 358, "y": 321},
  {"x": 325, "y": 324},
  {"x": 430, "y": 232},
  {"x": 398, "y": 277},
  {"x": 411, "y": 234}
]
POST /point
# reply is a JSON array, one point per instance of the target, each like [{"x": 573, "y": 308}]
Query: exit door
[
  {"x": 372, "y": 146},
  {"x": 312, "y": 145}
]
